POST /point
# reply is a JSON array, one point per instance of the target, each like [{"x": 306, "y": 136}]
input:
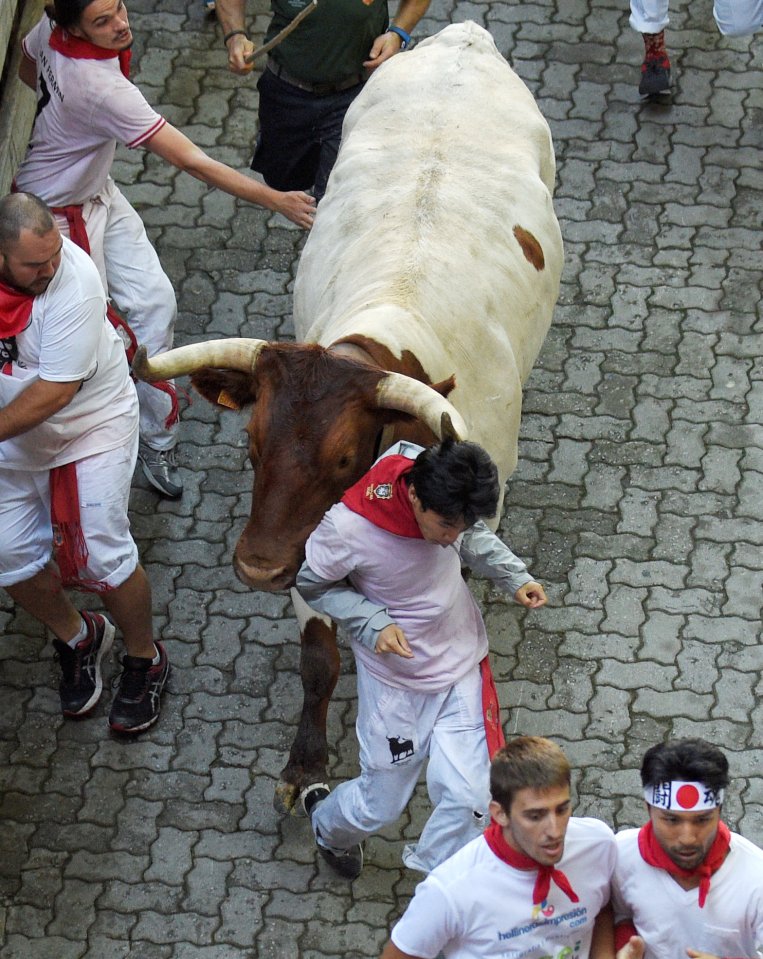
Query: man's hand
[
  {"x": 383, "y": 47},
  {"x": 692, "y": 953},
  {"x": 633, "y": 949},
  {"x": 298, "y": 207},
  {"x": 239, "y": 47},
  {"x": 392, "y": 640},
  {"x": 532, "y": 595}
]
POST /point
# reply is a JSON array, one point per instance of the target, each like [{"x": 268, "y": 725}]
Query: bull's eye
[{"x": 344, "y": 462}]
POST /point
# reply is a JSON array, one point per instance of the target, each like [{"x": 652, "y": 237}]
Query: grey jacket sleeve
[
  {"x": 484, "y": 553},
  {"x": 362, "y": 619}
]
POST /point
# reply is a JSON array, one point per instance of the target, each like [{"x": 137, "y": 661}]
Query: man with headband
[
  {"x": 536, "y": 884},
  {"x": 685, "y": 884}
]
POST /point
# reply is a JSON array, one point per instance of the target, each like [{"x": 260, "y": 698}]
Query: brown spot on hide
[{"x": 532, "y": 250}]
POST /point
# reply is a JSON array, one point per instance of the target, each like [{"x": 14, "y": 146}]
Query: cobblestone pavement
[{"x": 638, "y": 501}]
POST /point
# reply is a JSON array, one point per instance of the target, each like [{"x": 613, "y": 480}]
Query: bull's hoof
[{"x": 285, "y": 799}]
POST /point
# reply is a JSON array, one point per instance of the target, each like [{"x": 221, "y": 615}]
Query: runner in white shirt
[
  {"x": 68, "y": 445},
  {"x": 78, "y": 63},
  {"x": 535, "y": 886},
  {"x": 684, "y": 884}
]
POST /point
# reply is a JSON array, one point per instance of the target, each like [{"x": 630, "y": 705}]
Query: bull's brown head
[{"x": 314, "y": 429}]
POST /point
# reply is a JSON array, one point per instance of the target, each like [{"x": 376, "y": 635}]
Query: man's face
[
  {"x": 685, "y": 836},
  {"x": 105, "y": 24},
  {"x": 31, "y": 263},
  {"x": 435, "y": 528},
  {"x": 537, "y": 822}
]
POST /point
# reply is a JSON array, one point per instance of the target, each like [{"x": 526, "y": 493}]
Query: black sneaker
[
  {"x": 655, "y": 78},
  {"x": 161, "y": 470},
  {"x": 348, "y": 863},
  {"x": 137, "y": 702},
  {"x": 81, "y": 681}
]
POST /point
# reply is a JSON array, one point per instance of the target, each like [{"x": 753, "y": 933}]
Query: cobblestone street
[{"x": 638, "y": 502}]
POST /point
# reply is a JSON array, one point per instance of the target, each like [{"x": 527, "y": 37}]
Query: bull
[{"x": 423, "y": 295}]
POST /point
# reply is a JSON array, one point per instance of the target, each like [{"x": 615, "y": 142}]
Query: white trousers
[
  {"x": 103, "y": 484},
  {"x": 398, "y": 730},
  {"x": 134, "y": 279},
  {"x": 735, "y": 18}
]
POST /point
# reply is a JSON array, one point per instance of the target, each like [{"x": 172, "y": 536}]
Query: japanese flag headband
[{"x": 683, "y": 796}]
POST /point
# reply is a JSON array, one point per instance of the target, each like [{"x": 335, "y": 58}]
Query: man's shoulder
[
  {"x": 77, "y": 276},
  {"x": 745, "y": 848},
  {"x": 402, "y": 448},
  {"x": 589, "y": 829}
]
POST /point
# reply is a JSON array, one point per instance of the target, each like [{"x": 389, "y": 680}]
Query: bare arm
[
  {"x": 392, "y": 952},
  {"x": 388, "y": 44},
  {"x": 28, "y": 71},
  {"x": 230, "y": 13},
  {"x": 175, "y": 147},
  {"x": 39, "y": 401},
  {"x": 603, "y": 937}
]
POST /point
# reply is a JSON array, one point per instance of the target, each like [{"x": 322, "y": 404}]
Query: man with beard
[
  {"x": 536, "y": 884},
  {"x": 77, "y": 59},
  {"x": 68, "y": 445},
  {"x": 684, "y": 884}
]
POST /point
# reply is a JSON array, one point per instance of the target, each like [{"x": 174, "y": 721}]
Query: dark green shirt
[{"x": 332, "y": 42}]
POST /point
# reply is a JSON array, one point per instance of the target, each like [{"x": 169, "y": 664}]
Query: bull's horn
[
  {"x": 399, "y": 392},
  {"x": 232, "y": 354}
]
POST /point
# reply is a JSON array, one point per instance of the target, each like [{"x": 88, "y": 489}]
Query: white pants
[
  {"x": 103, "y": 483},
  {"x": 398, "y": 729},
  {"x": 735, "y": 18},
  {"x": 133, "y": 277}
]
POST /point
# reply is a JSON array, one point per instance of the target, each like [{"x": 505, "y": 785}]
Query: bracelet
[
  {"x": 234, "y": 33},
  {"x": 405, "y": 37}
]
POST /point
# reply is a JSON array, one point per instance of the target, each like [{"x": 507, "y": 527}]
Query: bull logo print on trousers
[{"x": 400, "y": 748}]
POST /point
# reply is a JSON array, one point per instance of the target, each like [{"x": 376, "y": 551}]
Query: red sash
[
  {"x": 69, "y": 546},
  {"x": 79, "y": 49},
  {"x": 518, "y": 860},
  {"x": 654, "y": 855},
  {"x": 381, "y": 496}
]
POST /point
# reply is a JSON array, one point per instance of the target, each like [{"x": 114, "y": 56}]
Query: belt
[{"x": 321, "y": 89}]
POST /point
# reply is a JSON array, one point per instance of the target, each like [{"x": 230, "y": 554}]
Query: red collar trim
[
  {"x": 79, "y": 49},
  {"x": 517, "y": 860},
  {"x": 381, "y": 496},
  {"x": 654, "y": 855}
]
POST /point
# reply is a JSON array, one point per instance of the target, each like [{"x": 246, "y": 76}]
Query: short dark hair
[
  {"x": 22, "y": 211},
  {"x": 527, "y": 762},
  {"x": 456, "y": 479},
  {"x": 685, "y": 760},
  {"x": 67, "y": 13}
]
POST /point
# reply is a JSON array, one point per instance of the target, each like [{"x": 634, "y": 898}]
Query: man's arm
[
  {"x": 37, "y": 403},
  {"x": 230, "y": 13},
  {"x": 388, "y": 44},
  {"x": 392, "y": 952},
  {"x": 175, "y": 147},
  {"x": 28, "y": 71},
  {"x": 488, "y": 556}
]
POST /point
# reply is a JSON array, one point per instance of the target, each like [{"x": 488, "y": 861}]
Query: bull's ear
[
  {"x": 227, "y": 388},
  {"x": 445, "y": 387}
]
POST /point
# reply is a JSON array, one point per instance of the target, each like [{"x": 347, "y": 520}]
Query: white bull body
[{"x": 444, "y": 154}]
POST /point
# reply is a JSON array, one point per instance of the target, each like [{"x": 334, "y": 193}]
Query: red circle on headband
[{"x": 687, "y": 796}]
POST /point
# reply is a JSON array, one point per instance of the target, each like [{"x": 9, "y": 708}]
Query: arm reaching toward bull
[{"x": 388, "y": 44}]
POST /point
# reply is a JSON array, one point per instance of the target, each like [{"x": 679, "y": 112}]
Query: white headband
[{"x": 683, "y": 796}]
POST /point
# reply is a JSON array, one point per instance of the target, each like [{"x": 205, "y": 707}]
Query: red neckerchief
[
  {"x": 517, "y": 860},
  {"x": 654, "y": 855},
  {"x": 78, "y": 49},
  {"x": 381, "y": 497},
  {"x": 15, "y": 310}
]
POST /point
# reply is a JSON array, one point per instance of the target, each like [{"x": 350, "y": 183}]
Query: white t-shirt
[
  {"x": 421, "y": 586},
  {"x": 69, "y": 338},
  {"x": 84, "y": 108},
  {"x": 669, "y": 918},
  {"x": 474, "y": 905}
]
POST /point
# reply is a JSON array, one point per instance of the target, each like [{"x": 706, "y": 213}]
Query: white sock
[{"x": 82, "y": 634}]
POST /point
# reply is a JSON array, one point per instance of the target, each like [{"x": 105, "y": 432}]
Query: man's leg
[
  {"x": 141, "y": 291},
  {"x": 650, "y": 17},
  {"x": 458, "y": 778},
  {"x": 737, "y": 18},
  {"x": 393, "y": 729},
  {"x": 329, "y": 133}
]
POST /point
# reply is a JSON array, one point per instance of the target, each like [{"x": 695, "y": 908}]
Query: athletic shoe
[
  {"x": 137, "y": 702},
  {"x": 655, "y": 78},
  {"x": 160, "y": 469},
  {"x": 348, "y": 863},
  {"x": 81, "y": 681}
]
